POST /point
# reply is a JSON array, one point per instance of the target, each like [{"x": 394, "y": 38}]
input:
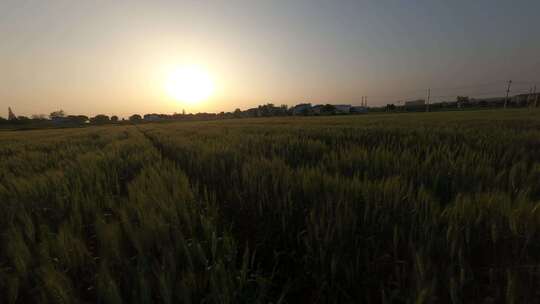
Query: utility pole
[
  {"x": 536, "y": 97},
  {"x": 428, "y": 97},
  {"x": 363, "y": 101},
  {"x": 529, "y": 97},
  {"x": 507, "y": 93},
  {"x": 11, "y": 115}
]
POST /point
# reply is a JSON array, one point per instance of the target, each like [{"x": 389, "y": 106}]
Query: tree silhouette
[
  {"x": 39, "y": 117},
  {"x": 328, "y": 109},
  {"x": 135, "y": 117},
  {"x": 57, "y": 114},
  {"x": 100, "y": 119}
]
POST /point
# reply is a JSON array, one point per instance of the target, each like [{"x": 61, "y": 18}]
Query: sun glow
[{"x": 189, "y": 84}]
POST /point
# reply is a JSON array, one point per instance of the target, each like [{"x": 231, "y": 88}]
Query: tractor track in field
[{"x": 154, "y": 144}]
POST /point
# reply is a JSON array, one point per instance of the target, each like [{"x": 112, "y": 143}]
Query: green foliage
[{"x": 413, "y": 208}]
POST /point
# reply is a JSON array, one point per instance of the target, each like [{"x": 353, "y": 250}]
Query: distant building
[
  {"x": 152, "y": 117},
  {"x": 415, "y": 103},
  {"x": 301, "y": 109},
  {"x": 318, "y": 109},
  {"x": 253, "y": 112},
  {"x": 343, "y": 109},
  {"x": 525, "y": 99},
  {"x": 358, "y": 109},
  {"x": 487, "y": 102}
]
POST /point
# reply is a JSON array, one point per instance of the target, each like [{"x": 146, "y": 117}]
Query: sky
[{"x": 114, "y": 57}]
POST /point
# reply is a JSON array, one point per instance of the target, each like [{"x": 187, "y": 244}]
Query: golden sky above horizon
[{"x": 118, "y": 57}]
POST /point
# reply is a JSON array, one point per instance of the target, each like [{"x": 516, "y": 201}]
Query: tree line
[{"x": 61, "y": 118}]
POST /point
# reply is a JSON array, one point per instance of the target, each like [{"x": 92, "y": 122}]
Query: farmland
[{"x": 403, "y": 208}]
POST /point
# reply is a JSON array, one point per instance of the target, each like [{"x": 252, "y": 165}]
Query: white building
[
  {"x": 302, "y": 108},
  {"x": 343, "y": 108},
  {"x": 152, "y": 117}
]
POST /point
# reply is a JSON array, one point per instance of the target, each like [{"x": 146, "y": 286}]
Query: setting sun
[{"x": 189, "y": 84}]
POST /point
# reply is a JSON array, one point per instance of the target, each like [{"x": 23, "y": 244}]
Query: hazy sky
[{"x": 113, "y": 57}]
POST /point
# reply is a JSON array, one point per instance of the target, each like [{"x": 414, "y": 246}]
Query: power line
[
  {"x": 465, "y": 90},
  {"x": 493, "y": 83},
  {"x": 470, "y": 86},
  {"x": 526, "y": 82},
  {"x": 479, "y": 94}
]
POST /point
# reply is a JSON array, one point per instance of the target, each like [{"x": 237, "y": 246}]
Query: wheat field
[{"x": 402, "y": 208}]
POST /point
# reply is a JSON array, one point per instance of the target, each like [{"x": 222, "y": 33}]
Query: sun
[{"x": 189, "y": 84}]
